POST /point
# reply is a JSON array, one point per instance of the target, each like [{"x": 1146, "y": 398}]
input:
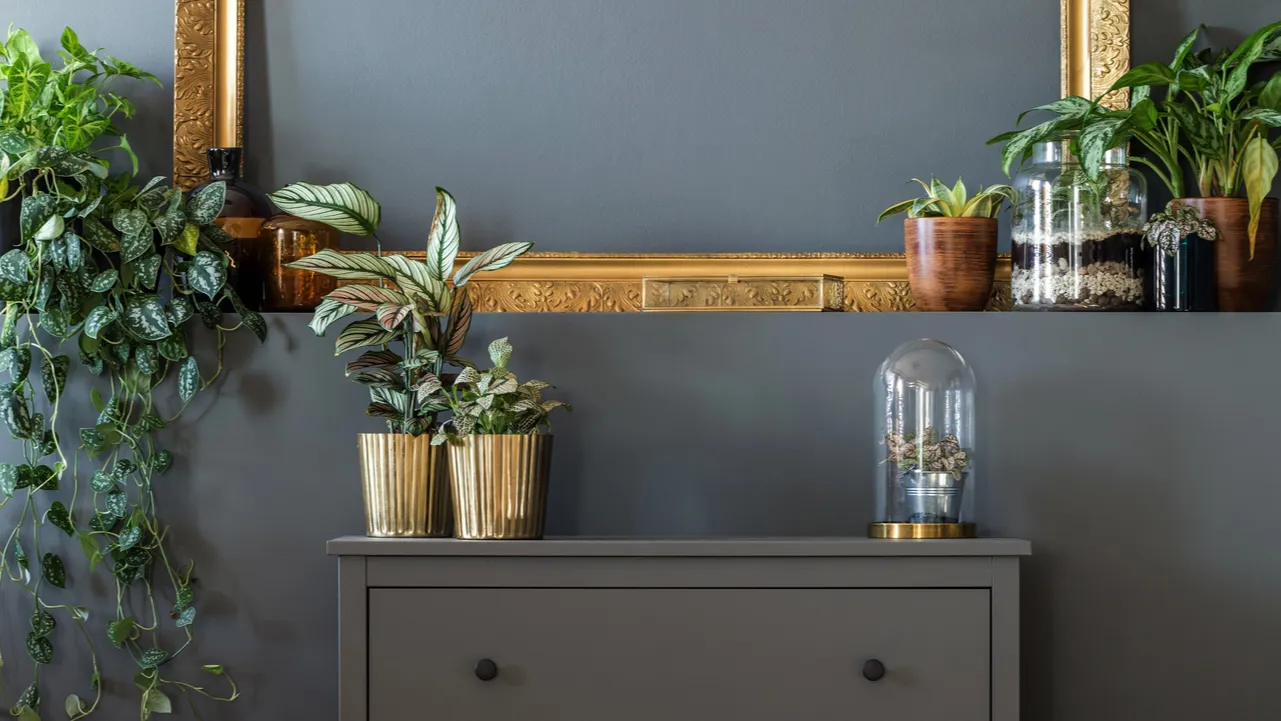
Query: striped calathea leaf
[{"x": 342, "y": 206}]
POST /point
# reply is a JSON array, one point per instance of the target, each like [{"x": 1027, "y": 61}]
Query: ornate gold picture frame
[{"x": 208, "y": 112}]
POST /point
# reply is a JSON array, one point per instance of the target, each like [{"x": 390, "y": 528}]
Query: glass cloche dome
[{"x": 924, "y": 443}]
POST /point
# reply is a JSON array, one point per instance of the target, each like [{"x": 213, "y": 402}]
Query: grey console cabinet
[{"x": 637, "y": 630}]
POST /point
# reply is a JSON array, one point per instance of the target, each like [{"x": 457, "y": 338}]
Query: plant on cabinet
[
  {"x": 413, "y": 331},
  {"x": 950, "y": 239},
  {"x": 500, "y": 449}
]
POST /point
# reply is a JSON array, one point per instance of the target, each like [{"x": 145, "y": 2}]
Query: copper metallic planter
[
  {"x": 500, "y": 486},
  {"x": 406, "y": 486}
]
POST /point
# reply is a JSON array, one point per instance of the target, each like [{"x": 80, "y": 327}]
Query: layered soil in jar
[{"x": 1070, "y": 271}]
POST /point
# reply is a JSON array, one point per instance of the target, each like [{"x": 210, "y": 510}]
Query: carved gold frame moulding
[{"x": 209, "y": 107}]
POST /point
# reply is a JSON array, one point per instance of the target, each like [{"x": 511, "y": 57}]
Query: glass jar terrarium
[
  {"x": 1078, "y": 242},
  {"x": 924, "y": 444}
]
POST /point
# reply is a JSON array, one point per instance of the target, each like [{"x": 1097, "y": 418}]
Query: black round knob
[
  {"x": 873, "y": 670},
  {"x": 486, "y": 670}
]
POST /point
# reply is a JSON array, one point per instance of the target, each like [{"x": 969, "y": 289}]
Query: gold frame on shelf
[{"x": 208, "y": 112}]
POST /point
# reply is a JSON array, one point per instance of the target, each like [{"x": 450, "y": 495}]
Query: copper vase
[
  {"x": 282, "y": 240},
  {"x": 500, "y": 486},
  {"x": 406, "y": 486},
  {"x": 1244, "y": 284},
  {"x": 951, "y": 262}
]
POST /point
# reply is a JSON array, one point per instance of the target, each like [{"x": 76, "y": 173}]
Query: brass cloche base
[{"x": 922, "y": 530}]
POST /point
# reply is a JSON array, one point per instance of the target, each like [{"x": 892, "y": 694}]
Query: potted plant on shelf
[
  {"x": 951, "y": 244},
  {"x": 1182, "y": 243},
  {"x": 406, "y": 487},
  {"x": 500, "y": 451},
  {"x": 1224, "y": 127}
]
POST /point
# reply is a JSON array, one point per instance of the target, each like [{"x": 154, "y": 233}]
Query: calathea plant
[
  {"x": 425, "y": 314},
  {"x": 119, "y": 272},
  {"x": 940, "y": 201},
  {"x": 495, "y": 402}
]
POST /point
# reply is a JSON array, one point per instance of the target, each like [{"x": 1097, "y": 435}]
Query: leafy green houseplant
[
  {"x": 119, "y": 272},
  {"x": 500, "y": 447},
  {"x": 950, "y": 239}
]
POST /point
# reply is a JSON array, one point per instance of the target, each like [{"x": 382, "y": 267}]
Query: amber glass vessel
[
  {"x": 243, "y": 214},
  {"x": 283, "y": 240}
]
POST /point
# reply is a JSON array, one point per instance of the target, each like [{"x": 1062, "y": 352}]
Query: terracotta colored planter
[
  {"x": 1244, "y": 284},
  {"x": 951, "y": 262}
]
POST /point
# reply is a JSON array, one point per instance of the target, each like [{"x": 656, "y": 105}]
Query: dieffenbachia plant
[
  {"x": 495, "y": 402},
  {"x": 119, "y": 272},
  {"x": 425, "y": 314},
  {"x": 940, "y": 201}
]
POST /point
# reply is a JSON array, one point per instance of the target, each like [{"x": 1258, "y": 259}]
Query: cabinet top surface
[{"x": 678, "y": 547}]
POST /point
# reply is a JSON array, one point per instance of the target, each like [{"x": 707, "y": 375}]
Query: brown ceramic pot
[
  {"x": 1244, "y": 284},
  {"x": 951, "y": 262}
]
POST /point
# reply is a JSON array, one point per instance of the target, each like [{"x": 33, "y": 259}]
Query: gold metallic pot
[
  {"x": 406, "y": 486},
  {"x": 282, "y": 240},
  {"x": 500, "y": 486}
]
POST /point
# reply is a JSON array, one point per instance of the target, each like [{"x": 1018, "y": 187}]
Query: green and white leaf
[
  {"x": 367, "y": 297},
  {"x": 145, "y": 317},
  {"x": 327, "y": 313},
  {"x": 362, "y": 333},
  {"x": 348, "y": 266},
  {"x": 15, "y": 266},
  {"x": 444, "y": 237},
  {"x": 205, "y": 206},
  {"x": 188, "y": 379},
  {"x": 342, "y": 206},
  {"x": 374, "y": 359},
  {"x": 207, "y": 274},
  {"x": 492, "y": 259}
]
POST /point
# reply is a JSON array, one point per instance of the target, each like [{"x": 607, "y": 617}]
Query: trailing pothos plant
[
  {"x": 425, "y": 314},
  {"x": 495, "y": 402},
  {"x": 118, "y": 272}
]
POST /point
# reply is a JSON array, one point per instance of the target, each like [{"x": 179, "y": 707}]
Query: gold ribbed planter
[
  {"x": 500, "y": 486},
  {"x": 406, "y": 486}
]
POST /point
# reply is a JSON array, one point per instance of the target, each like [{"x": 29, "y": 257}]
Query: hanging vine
[{"x": 120, "y": 272}]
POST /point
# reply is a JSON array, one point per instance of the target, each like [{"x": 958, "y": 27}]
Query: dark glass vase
[
  {"x": 243, "y": 214},
  {"x": 1184, "y": 280}
]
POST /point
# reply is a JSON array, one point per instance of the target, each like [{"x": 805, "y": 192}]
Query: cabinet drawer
[{"x": 646, "y": 654}]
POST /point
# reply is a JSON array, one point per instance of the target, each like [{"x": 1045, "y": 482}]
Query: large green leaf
[
  {"x": 1146, "y": 74},
  {"x": 27, "y": 78},
  {"x": 492, "y": 259},
  {"x": 342, "y": 206},
  {"x": 206, "y": 274},
  {"x": 367, "y": 297},
  {"x": 444, "y": 237},
  {"x": 348, "y": 266},
  {"x": 1270, "y": 96},
  {"x": 1259, "y": 169},
  {"x": 144, "y": 317},
  {"x": 205, "y": 206},
  {"x": 362, "y": 333},
  {"x": 327, "y": 312}
]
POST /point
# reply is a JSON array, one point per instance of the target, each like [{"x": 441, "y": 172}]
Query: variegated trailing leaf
[
  {"x": 36, "y": 211},
  {"x": 444, "y": 237},
  {"x": 100, "y": 236},
  {"x": 492, "y": 259},
  {"x": 39, "y": 648},
  {"x": 348, "y": 266},
  {"x": 146, "y": 269},
  {"x": 52, "y": 228},
  {"x": 210, "y": 315},
  {"x": 500, "y": 351},
  {"x": 117, "y": 503},
  {"x": 367, "y": 297},
  {"x": 43, "y": 622},
  {"x": 129, "y": 221},
  {"x": 30, "y": 699},
  {"x": 55, "y": 574},
  {"x": 102, "y": 482},
  {"x": 179, "y": 311},
  {"x": 102, "y": 282},
  {"x": 15, "y": 266},
  {"x": 44, "y": 291},
  {"x": 60, "y": 518},
  {"x": 374, "y": 359},
  {"x": 173, "y": 348},
  {"x": 170, "y": 225},
  {"x": 416, "y": 279},
  {"x": 393, "y": 316},
  {"x": 16, "y": 361},
  {"x": 327, "y": 313},
  {"x": 363, "y": 333},
  {"x": 379, "y": 378},
  {"x": 99, "y": 318},
  {"x": 188, "y": 379},
  {"x": 145, "y": 317},
  {"x": 161, "y": 461},
  {"x": 251, "y": 319},
  {"x": 205, "y": 205},
  {"x": 74, "y": 251},
  {"x": 207, "y": 274},
  {"x": 459, "y": 323},
  {"x": 54, "y": 322},
  {"x": 8, "y": 479},
  {"x": 53, "y": 376},
  {"x": 188, "y": 241},
  {"x": 342, "y": 206},
  {"x": 146, "y": 359},
  {"x": 152, "y": 422}
]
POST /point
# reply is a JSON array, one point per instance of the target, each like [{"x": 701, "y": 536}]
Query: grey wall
[{"x": 1131, "y": 449}]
